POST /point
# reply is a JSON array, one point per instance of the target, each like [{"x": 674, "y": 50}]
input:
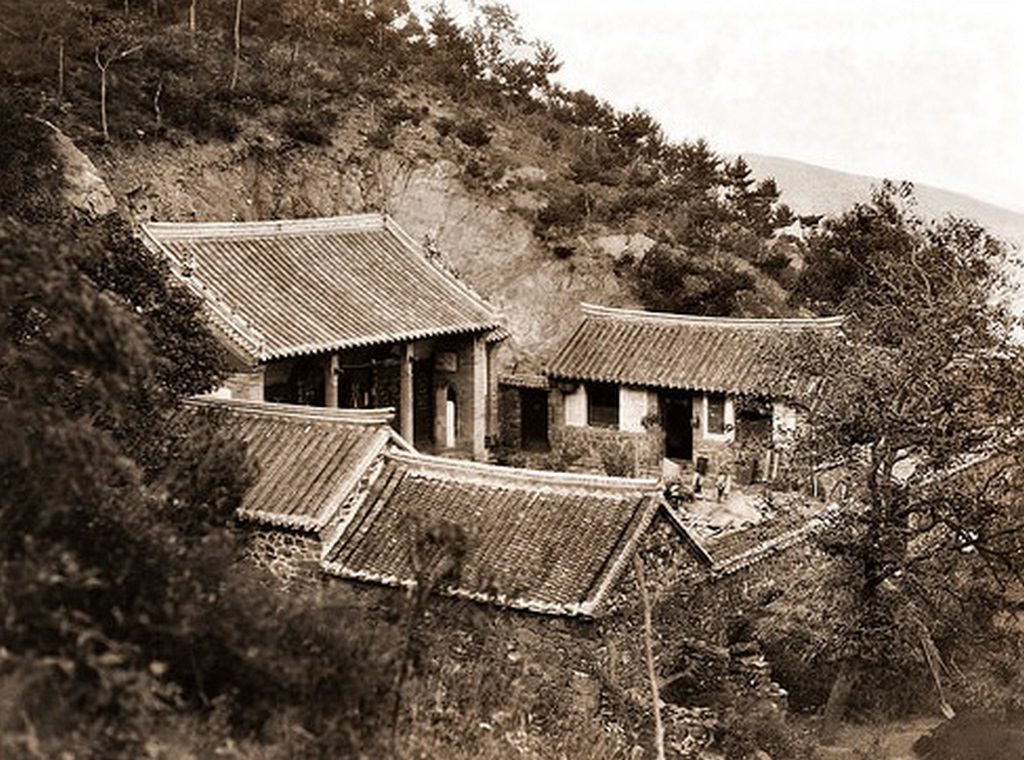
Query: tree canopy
[
  {"x": 917, "y": 432},
  {"x": 122, "y": 598}
]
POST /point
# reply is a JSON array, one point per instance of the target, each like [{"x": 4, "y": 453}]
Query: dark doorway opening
[
  {"x": 533, "y": 419},
  {"x": 297, "y": 381},
  {"x": 677, "y": 422},
  {"x": 423, "y": 413}
]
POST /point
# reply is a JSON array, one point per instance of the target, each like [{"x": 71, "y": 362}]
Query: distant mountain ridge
[{"x": 812, "y": 189}]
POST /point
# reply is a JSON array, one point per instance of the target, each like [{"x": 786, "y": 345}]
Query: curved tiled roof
[
  {"x": 308, "y": 459},
  {"x": 541, "y": 541},
  {"x": 291, "y": 287},
  {"x": 657, "y": 349}
]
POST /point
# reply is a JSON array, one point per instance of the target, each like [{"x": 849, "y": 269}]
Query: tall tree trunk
[
  {"x": 838, "y": 698},
  {"x": 103, "y": 103},
  {"x": 192, "y": 19},
  {"x": 60, "y": 70},
  {"x": 156, "y": 102},
  {"x": 102, "y": 66},
  {"x": 659, "y": 731},
  {"x": 238, "y": 43}
]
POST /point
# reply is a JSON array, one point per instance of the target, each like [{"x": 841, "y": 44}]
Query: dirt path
[{"x": 886, "y": 741}]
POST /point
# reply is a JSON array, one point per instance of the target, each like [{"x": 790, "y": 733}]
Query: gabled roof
[
  {"x": 712, "y": 354},
  {"x": 291, "y": 287},
  {"x": 546, "y": 542},
  {"x": 308, "y": 459}
]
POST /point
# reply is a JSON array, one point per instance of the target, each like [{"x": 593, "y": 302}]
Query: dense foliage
[
  {"x": 310, "y": 69},
  {"x": 917, "y": 429},
  {"x": 120, "y": 590}
]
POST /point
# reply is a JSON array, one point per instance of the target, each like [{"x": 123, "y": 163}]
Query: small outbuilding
[{"x": 633, "y": 388}]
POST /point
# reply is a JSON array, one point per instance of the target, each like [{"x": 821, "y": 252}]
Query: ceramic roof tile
[
  {"x": 308, "y": 459},
  {"x": 286, "y": 288},
  {"x": 547, "y": 542},
  {"x": 727, "y": 355},
  {"x": 736, "y": 550}
]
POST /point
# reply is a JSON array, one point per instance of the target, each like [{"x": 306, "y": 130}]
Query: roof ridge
[
  {"x": 166, "y": 237},
  {"x": 235, "y": 325},
  {"x": 595, "y": 310},
  {"x": 399, "y": 232},
  {"x": 524, "y": 476},
  {"x": 379, "y": 416},
  {"x": 266, "y": 227}
]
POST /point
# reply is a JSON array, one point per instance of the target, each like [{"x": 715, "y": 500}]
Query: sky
[{"x": 929, "y": 91}]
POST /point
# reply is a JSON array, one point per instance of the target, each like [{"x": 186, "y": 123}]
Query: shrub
[
  {"x": 674, "y": 279},
  {"x": 444, "y": 126},
  {"x": 564, "y": 214},
  {"x": 199, "y": 114},
  {"x": 473, "y": 132},
  {"x": 314, "y": 129}
]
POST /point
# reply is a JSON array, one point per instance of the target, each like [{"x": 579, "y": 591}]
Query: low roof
[
  {"x": 308, "y": 459},
  {"x": 292, "y": 287},
  {"x": 541, "y": 541},
  {"x": 712, "y": 354}
]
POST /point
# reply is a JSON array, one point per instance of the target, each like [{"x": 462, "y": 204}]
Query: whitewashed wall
[
  {"x": 576, "y": 407},
  {"x": 633, "y": 407}
]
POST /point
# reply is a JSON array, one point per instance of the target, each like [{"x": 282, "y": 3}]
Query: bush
[
  {"x": 746, "y": 728},
  {"x": 676, "y": 280},
  {"x": 30, "y": 189},
  {"x": 314, "y": 129},
  {"x": 444, "y": 126},
  {"x": 199, "y": 114},
  {"x": 473, "y": 132},
  {"x": 565, "y": 213}
]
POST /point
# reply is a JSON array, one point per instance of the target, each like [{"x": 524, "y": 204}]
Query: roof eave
[
  {"x": 583, "y": 609},
  {"x": 585, "y": 377},
  {"x": 311, "y": 349}
]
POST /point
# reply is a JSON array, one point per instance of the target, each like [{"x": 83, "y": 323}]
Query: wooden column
[
  {"x": 480, "y": 391},
  {"x": 331, "y": 382},
  {"x": 405, "y": 404}
]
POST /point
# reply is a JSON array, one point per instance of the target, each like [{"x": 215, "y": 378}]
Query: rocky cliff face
[{"x": 482, "y": 233}]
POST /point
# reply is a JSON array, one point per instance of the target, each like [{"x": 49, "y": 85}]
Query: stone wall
[
  {"x": 291, "y": 556},
  {"x": 509, "y": 417},
  {"x": 612, "y": 452}
]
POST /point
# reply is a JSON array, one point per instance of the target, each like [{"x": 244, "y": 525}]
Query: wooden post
[
  {"x": 331, "y": 382},
  {"x": 405, "y": 404},
  {"x": 479, "y": 402}
]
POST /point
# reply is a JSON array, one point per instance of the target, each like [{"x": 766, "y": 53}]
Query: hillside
[
  {"x": 811, "y": 189},
  {"x": 540, "y": 197}
]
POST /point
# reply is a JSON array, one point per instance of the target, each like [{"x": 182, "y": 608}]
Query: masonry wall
[
  {"x": 291, "y": 556},
  {"x": 608, "y": 451}
]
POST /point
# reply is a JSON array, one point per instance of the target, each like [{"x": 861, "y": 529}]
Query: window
[
  {"x": 603, "y": 405},
  {"x": 716, "y": 414}
]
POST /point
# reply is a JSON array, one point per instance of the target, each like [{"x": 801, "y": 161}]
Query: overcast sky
[{"x": 924, "y": 90}]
